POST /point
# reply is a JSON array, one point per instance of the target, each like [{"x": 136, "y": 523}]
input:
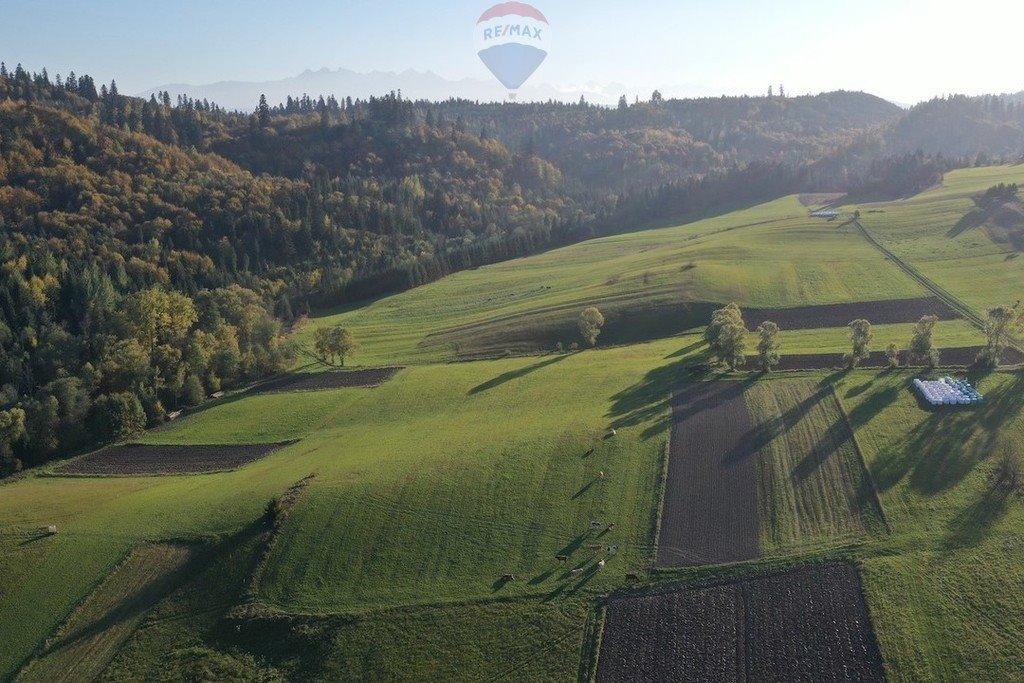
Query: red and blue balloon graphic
[{"x": 512, "y": 40}]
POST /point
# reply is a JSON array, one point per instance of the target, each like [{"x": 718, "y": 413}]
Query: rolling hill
[{"x": 470, "y": 516}]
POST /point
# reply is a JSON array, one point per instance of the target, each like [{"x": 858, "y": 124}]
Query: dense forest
[{"x": 152, "y": 251}]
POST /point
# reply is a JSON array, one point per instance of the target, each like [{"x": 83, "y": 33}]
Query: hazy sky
[{"x": 904, "y": 50}]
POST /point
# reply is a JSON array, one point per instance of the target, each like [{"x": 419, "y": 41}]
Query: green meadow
[{"x": 425, "y": 547}]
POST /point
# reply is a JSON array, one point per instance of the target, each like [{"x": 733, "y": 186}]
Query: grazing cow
[
  {"x": 588, "y": 453},
  {"x": 594, "y": 524},
  {"x": 576, "y": 572},
  {"x": 508, "y": 577},
  {"x": 611, "y": 526},
  {"x": 596, "y": 547},
  {"x": 600, "y": 566},
  {"x": 613, "y": 433},
  {"x": 562, "y": 558}
]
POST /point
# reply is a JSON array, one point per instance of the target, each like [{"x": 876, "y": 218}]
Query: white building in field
[{"x": 827, "y": 213}]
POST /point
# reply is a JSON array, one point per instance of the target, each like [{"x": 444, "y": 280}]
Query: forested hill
[
  {"x": 658, "y": 141},
  {"x": 991, "y": 126},
  {"x": 150, "y": 251},
  {"x": 137, "y": 277}
]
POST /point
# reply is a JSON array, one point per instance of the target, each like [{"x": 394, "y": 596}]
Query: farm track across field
[
  {"x": 808, "y": 624},
  {"x": 710, "y": 512},
  {"x": 928, "y": 284}
]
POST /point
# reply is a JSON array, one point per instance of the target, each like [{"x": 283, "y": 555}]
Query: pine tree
[{"x": 263, "y": 112}]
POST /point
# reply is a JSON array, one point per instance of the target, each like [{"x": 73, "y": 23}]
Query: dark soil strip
[
  {"x": 840, "y": 315},
  {"x": 953, "y": 358},
  {"x": 710, "y": 513},
  {"x": 628, "y": 321},
  {"x": 808, "y": 624},
  {"x": 132, "y": 459},
  {"x": 321, "y": 381}
]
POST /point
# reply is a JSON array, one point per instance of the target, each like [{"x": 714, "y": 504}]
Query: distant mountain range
[{"x": 427, "y": 85}]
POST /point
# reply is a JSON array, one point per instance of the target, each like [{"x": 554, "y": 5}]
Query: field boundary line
[
  {"x": 860, "y": 457},
  {"x": 950, "y": 300},
  {"x": 62, "y": 625},
  {"x": 590, "y": 647},
  {"x": 666, "y": 454},
  {"x": 286, "y": 503},
  {"x": 52, "y": 641}
]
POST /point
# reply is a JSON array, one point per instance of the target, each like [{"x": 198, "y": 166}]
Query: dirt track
[
  {"x": 808, "y": 624},
  {"x": 322, "y": 381},
  {"x": 710, "y": 512},
  {"x": 144, "y": 459}
]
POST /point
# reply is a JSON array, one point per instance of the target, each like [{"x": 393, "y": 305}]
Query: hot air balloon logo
[{"x": 512, "y": 40}]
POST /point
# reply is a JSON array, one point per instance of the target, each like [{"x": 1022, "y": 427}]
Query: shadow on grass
[
  {"x": 866, "y": 410},
  {"x": 588, "y": 574},
  {"x": 649, "y": 399},
  {"x": 589, "y": 485},
  {"x": 765, "y": 430},
  {"x": 940, "y": 452},
  {"x": 973, "y": 524},
  {"x": 516, "y": 374},
  {"x": 686, "y": 349},
  {"x": 972, "y": 219},
  {"x": 154, "y": 589},
  {"x": 500, "y": 583},
  {"x": 541, "y": 578},
  {"x": 33, "y": 539},
  {"x": 573, "y": 545}
]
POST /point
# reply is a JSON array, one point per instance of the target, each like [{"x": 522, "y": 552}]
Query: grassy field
[
  {"x": 767, "y": 256},
  {"x": 425, "y": 486},
  {"x": 423, "y": 509},
  {"x": 948, "y": 334},
  {"x": 946, "y": 595},
  {"x": 107, "y": 618},
  {"x": 434, "y": 486},
  {"x": 813, "y": 487},
  {"x": 927, "y": 232}
]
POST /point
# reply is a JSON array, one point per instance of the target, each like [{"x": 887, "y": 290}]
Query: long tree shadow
[
  {"x": 516, "y": 374},
  {"x": 876, "y": 402},
  {"x": 974, "y": 523},
  {"x": 686, "y": 349},
  {"x": 650, "y": 399},
  {"x": 972, "y": 219},
  {"x": 941, "y": 451},
  {"x": 768, "y": 429}
]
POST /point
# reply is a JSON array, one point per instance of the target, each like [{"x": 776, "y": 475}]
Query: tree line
[{"x": 726, "y": 337}]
